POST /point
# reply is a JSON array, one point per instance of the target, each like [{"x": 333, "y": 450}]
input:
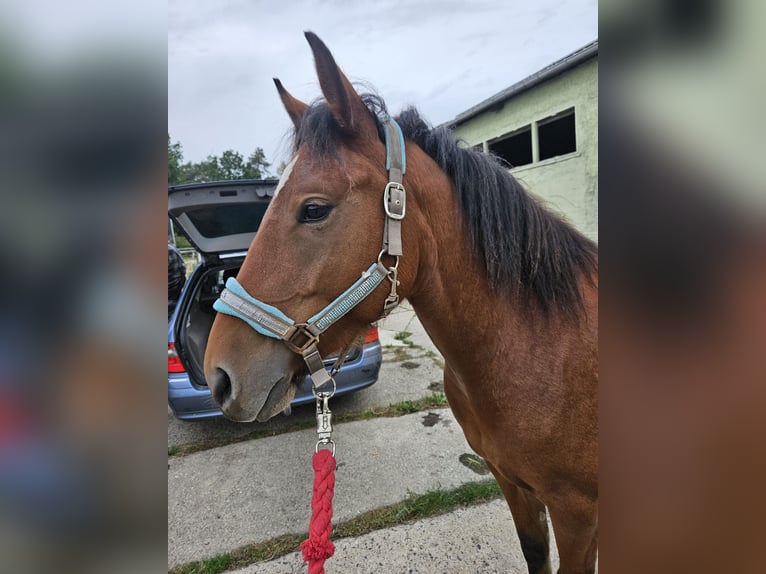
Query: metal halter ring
[
  {"x": 396, "y": 264},
  {"x": 321, "y": 394},
  {"x": 325, "y": 443}
]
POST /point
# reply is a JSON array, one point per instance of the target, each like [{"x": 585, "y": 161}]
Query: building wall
[{"x": 567, "y": 184}]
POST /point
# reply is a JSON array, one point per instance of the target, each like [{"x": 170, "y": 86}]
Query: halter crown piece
[{"x": 303, "y": 338}]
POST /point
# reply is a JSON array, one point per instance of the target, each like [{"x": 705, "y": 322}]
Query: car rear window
[{"x": 228, "y": 219}]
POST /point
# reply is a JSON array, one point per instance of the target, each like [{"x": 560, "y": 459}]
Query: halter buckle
[
  {"x": 395, "y": 200},
  {"x": 301, "y": 339}
]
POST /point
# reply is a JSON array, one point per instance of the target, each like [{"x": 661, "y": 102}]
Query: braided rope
[{"x": 319, "y": 547}]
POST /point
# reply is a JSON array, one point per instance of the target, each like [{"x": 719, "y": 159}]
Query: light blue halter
[{"x": 303, "y": 338}]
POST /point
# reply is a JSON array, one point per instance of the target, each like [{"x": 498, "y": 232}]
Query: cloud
[{"x": 442, "y": 57}]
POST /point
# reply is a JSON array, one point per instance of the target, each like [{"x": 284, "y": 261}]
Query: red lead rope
[{"x": 319, "y": 547}]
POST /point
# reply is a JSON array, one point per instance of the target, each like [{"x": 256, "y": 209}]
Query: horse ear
[
  {"x": 344, "y": 103},
  {"x": 295, "y": 108}
]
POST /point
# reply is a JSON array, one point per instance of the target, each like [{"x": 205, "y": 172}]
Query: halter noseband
[{"x": 303, "y": 338}]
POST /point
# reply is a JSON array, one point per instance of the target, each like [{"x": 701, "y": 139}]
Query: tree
[
  {"x": 205, "y": 170},
  {"x": 229, "y": 165},
  {"x": 175, "y": 157},
  {"x": 257, "y": 167}
]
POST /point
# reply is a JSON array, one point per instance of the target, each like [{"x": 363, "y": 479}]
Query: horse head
[{"x": 324, "y": 227}]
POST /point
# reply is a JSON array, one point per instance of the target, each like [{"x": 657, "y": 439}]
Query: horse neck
[{"x": 452, "y": 296}]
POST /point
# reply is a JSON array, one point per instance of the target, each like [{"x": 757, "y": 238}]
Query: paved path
[
  {"x": 478, "y": 539},
  {"x": 252, "y": 491}
]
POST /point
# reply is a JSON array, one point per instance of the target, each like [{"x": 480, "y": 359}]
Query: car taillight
[
  {"x": 372, "y": 335},
  {"x": 174, "y": 361}
]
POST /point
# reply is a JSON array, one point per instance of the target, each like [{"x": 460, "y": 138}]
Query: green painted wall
[{"x": 567, "y": 184}]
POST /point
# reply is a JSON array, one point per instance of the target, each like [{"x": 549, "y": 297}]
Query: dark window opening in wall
[
  {"x": 557, "y": 136},
  {"x": 516, "y": 149}
]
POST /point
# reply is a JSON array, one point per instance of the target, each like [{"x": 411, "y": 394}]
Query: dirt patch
[
  {"x": 437, "y": 386},
  {"x": 396, "y": 354},
  {"x": 474, "y": 463},
  {"x": 431, "y": 419},
  {"x": 410, "y": 365}
]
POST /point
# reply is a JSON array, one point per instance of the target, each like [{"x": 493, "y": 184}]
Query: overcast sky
[{"x": 441, "y": 56}]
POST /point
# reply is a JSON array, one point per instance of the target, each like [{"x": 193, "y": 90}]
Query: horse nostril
[{"x": 221, "y": 386}]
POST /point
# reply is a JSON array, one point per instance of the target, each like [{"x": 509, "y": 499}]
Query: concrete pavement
[
  {"x": 403, "y": 319},
  {"x": 477, "y": 539},
  {"x": 252, "y": 491}
]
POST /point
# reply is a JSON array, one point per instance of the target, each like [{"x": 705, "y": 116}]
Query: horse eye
[{"x": 313, "y": 212}]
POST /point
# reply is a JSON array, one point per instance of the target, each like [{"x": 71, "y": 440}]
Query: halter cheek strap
[
  {"x": 394, "y": 196},
  {"x": 303, "y": 338}
]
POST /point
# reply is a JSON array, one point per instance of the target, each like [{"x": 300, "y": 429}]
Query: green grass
[
  {"x": 438, "y": 361},
  {"x": 414, "y": 507},
  {"x": 404, "y": 337},
  {"x": 406, "y": 353},
  {"x": 400, "y": 354},
  {"x": 435, "y": 400},
  {"x": 407, "y": 407}
]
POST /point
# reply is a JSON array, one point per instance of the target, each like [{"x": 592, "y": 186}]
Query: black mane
[{"x": 523, "y": 248}]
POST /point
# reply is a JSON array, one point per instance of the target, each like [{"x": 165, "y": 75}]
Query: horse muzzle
[
  {"x": 246, "y": 402},
  {"x": 250, "y": 377}
]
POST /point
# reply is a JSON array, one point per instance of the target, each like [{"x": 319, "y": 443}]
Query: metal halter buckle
[
  {"x": 397, "y": 208},
  {"x": 298, "y": 345}
]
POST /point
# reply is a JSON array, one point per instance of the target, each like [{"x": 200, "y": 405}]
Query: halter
[{"x": 303, "y": 338}]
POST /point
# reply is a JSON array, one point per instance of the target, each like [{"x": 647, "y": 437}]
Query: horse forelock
[
  {"x": 523, "y": 248},
  {"x": 319, "y": 130}
]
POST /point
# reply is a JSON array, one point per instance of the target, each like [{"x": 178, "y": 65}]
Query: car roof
[{"x": 268, "y": 185}]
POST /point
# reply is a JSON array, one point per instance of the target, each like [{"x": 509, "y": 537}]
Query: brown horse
[{"x": 506, "y": 291}]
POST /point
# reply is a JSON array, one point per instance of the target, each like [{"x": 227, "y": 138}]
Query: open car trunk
[
  {"x": 220, "y": 220},
  {"x": 220, "y": 217},
  {"x": 196, "y": 315}
]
